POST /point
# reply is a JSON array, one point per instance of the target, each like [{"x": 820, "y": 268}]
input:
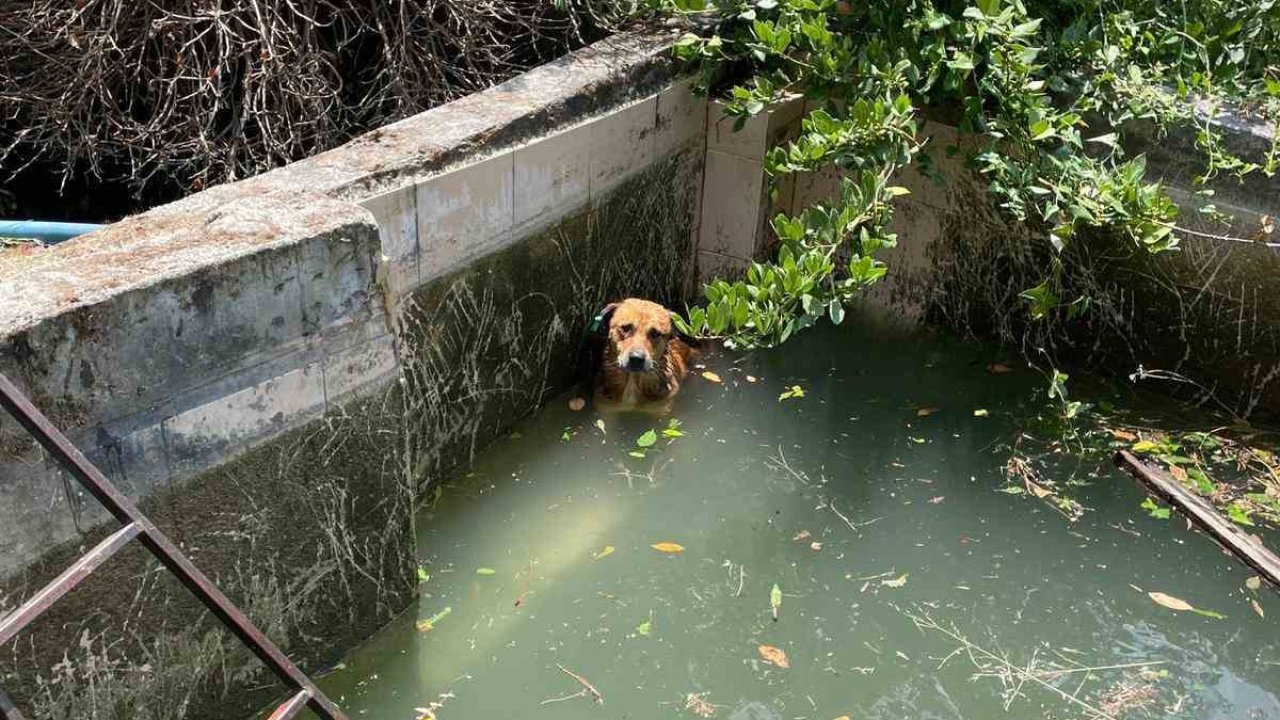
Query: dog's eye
[
  {"x": 627, "y": 329},
  {"x": 654, "y": 333}
]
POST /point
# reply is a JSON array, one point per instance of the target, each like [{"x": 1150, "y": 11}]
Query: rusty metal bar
[
  {"x": 8, "y": 710},
  {"x": 123, "y": 509},
  {"x": 14, "y": 622},
  {"x": 292, "y": 706}
]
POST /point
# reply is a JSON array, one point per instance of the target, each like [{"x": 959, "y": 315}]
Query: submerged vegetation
[{"x": 1049, "y": 88}]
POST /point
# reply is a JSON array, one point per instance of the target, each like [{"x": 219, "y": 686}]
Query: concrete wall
[
  {"x": 1208, "y": 314},
  {"x": 274, "y": 367}
]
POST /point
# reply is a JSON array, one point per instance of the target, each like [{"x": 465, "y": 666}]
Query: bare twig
[{"x": 587, "y": 687}]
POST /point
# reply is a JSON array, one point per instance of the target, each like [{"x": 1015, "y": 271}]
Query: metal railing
[{"x": 137, "y": 526}]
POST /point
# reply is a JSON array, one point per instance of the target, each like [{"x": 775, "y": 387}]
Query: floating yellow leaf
[
  {"x": 774, "y": 656},
  {"x": 711, "y": 377},
  {"x": 668, "y": 547},
  {"x": 1170, "y": 601},
  {"x": 1253, "y": 583},
  {"x": 795, "y": 391},
  {"x": 980, "y": 412},
  {"x": 606, "y": 552},
  {"x": 896, "y": 582},
  {"x": 752, "y": 378},
  {"x": 1257, "y": 608},
  {"x": 926, "y": 411},
  {"x": 999, "y": 368}
]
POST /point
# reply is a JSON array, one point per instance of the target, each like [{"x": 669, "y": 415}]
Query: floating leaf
[
  {"x": 711, "y": 377},
  {"x": 486, "y": 571},
  {"x": 668, "y": 547},
  {"x": 565, "y": 436},
  {"x": 637, "y": 454},
  {"x": 795, "y": 391},
  {"x": 775, "y": 600},
  {"x": 896, "y": 582},
  {"x": 577, "y": 404},
  {"x": 422, "y": 574},
  {"x": 774, "y": 656},
  {"x": 1253, "y": 583},
  {"x": 916, "y": 440},
  {"x": 1013, "y": 490},
  {"x": 999, "y": 368},
  {"x": 752, "y": 378},
  {"x": 936, "y": 500},
  {"x": 1170, "y": 601},
  {"x": 1154, "y": 510},
  {"x": 647, "y": 439},
  {"x": 430, "y": 623},
  {"x": 815, "y": 546},
  {"x": 1257, "y": 608},
  {"x": 980, "y": 412},
  {"x": 926, "y": 411},
  {"x": 645, "y": 628},
  {"x": 606, "y": 552},
  {"x": 600, "y": 425},
  {"x": 673, "y": 431}
]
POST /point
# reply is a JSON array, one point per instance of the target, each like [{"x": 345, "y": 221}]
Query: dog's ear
[{"x": 600, "y": 323}]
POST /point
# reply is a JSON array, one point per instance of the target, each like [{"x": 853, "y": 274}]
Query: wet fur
[{"x": 639, "y": 326}]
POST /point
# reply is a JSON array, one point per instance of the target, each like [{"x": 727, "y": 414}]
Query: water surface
[{"x": 864, "y": 513}]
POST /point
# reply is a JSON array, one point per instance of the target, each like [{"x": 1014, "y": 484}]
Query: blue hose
[{"x": 45, "y": 232}]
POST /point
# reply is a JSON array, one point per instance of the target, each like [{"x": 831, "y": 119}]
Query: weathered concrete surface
[{"x": 272, "y": 367}]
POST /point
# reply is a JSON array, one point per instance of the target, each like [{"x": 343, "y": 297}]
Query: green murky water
[{"x": 863, "y": 514}]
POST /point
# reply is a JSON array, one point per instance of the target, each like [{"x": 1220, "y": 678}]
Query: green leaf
[
  {"x": 836, "y": 312},
  {"x": 647, "y": 439},
  {"x": 644, "y": 628},
  {"x": 486, "y": 571},
  {"x": 422, "y": 574}
]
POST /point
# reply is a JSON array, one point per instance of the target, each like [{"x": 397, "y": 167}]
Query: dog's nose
[{"x": 636, "y": 360}]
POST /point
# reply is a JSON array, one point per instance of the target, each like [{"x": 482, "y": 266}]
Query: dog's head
[{"x": 638, "y": 332}]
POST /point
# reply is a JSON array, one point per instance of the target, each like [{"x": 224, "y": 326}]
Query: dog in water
[{"x": 644, "y": 358}]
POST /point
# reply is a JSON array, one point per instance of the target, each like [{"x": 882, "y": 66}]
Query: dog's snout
[{"x": 637, "y": 361}]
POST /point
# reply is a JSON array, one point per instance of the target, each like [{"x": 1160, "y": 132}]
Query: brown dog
[{"x": 644, "y": 357}]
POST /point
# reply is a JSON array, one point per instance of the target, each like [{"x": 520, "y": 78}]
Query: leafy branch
[{"x": 1048, "y": 87}]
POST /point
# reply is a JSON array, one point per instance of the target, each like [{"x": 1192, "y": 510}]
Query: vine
[{"x": 1049, "y": 87}]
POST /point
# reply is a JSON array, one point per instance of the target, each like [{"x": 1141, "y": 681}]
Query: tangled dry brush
[{"x": 195, "y": 92}]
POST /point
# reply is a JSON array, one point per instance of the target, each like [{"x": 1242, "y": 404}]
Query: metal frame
[{"x": 138, "y": 526}]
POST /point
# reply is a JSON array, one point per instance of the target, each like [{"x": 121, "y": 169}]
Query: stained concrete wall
[
  {"x": 273, "y": 368},
  {"x": 1207, "y": 317}
]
